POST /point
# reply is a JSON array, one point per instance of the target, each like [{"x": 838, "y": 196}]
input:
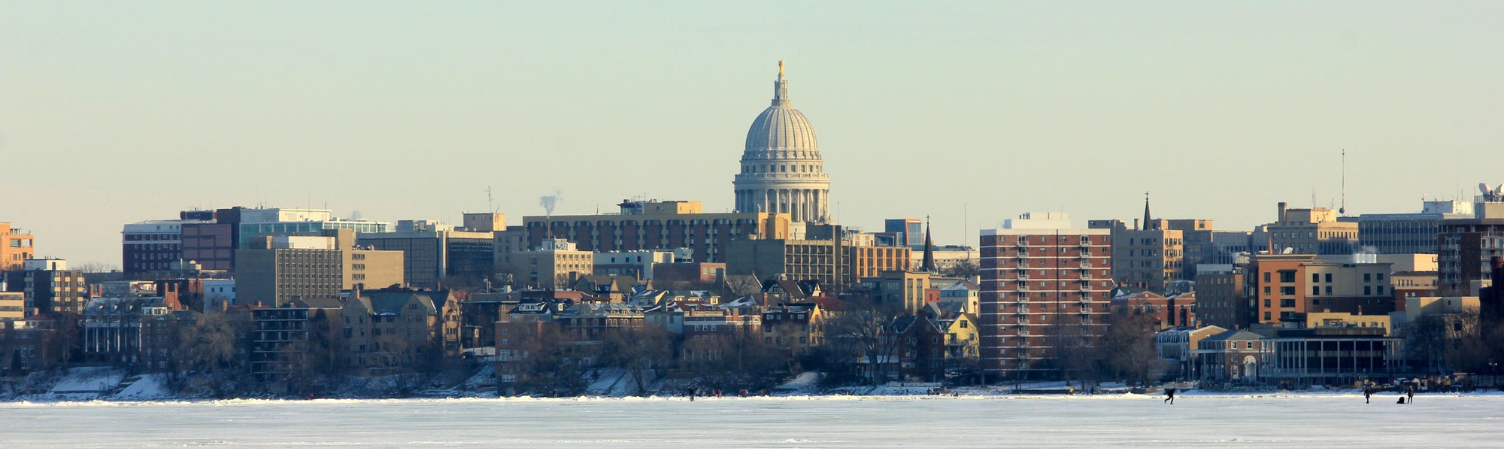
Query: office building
[{"x": 275, "y": 270}]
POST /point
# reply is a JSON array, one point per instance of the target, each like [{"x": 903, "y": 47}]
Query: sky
[{"x": 965, "y": 112}]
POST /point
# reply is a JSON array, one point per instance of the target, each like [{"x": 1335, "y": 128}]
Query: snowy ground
[{"x": 1273, "y": 420}]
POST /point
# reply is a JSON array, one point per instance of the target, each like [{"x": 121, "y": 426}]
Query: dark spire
[
  {"x": 1146, "y": 211},
  {"x": 928, "y": 266}
]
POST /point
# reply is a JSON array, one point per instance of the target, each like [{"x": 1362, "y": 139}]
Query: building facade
[
  {"x": 656, "y": 225},
  {"x": 16, "y": 246},
  {"x": 1040, "y": 279},
  {"x": 1312, "y": 231}
]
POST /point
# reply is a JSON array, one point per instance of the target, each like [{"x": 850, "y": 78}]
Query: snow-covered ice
[{"x": 1275, "y": 421}]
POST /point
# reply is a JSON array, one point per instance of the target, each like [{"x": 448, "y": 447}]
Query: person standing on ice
[
  {"x": 1170, "y": 396},
  {"x": 1410, "y": 396},
  {"x": 1367, "y": 393}
]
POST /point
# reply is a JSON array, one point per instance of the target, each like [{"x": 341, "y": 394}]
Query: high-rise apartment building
[
  {"x": 1465, "y": 247},
  {"x": 49, "y": 286},
  {"x": 15, "y": 247},
  {"x": 1044, "y": 283}
]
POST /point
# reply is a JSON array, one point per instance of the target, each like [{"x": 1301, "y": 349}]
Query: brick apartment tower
[{"x": 1044, "y": 285}]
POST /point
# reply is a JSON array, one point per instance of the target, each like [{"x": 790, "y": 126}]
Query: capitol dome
[
  {"x": 781, "y": 127},
  {"x": 782, "y": 171}
]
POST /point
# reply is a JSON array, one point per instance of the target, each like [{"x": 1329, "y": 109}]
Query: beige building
[
  {"x": 1348, "y": 320},
  {"x": 1151, "y": 253},
  {"x": 837, "y": 263},
  {"x": 15, "y": 247},
  {"x": 554, "y": 265},
  {"x": 658, "y": 225},
  {"x": 278, "y": 269},
  {"x": 12, "y": 306},
  {"x": 901, "y": 290},
  {"x": 1312, "y": 231},
  {"x": 389, "y": 330}
]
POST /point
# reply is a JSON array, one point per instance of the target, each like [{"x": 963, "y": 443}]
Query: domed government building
[{"x": 781, "y": 167}]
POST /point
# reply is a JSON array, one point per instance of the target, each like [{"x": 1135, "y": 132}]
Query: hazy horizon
[{"x": 114, "y": 113}]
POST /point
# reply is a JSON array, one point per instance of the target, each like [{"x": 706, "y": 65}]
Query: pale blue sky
[{"x": 116, "y": 112}]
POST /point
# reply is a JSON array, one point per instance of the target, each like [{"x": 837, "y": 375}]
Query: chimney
[{"x": 1281, "y": 217}]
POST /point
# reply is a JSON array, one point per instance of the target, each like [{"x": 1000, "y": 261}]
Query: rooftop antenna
[
  {"x": 489, "y": 204},
  {"x": 1343, "y": 209}
]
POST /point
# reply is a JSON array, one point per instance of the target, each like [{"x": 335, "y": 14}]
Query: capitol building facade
[{"x": 781, "y": 168}]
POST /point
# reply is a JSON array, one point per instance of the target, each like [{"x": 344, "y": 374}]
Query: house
[
  {"x": 1231, "y": 356},
  {"x": 1177, "y": 343}
]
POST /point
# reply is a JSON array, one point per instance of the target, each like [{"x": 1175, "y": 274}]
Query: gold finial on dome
[{"x": 780, "y": 69}]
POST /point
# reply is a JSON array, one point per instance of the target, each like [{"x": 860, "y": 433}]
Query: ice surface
[{"x": 1326, "y": 421}]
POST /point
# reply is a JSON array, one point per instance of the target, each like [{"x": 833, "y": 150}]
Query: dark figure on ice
[
  {"x": 1367, "y": 393},
  {"x": 1402, "y": 400},
  {"x": 1170, "y": 396},
  {"x": 1410, "y": 395}
]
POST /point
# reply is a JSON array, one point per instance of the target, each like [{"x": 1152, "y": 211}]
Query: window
[
  {"x": 1315, "y": 290},
  {"x": 1315, "y": 277},
  {"x": 1367, "y": 277},
  {"x": 1266, "y": 276},
  {"x": 1329, "y": 290},
  {"x": 1329, "y": 279},
  {"x": 1367, "y": 290}
]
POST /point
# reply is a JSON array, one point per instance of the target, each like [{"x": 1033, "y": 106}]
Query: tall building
[
  {"x": 1150, "y": 256},
  {"x": 49, "y": 286},
  {"x": 15, "y": 247},
  {"x": 1413, "y": 233},
  {"x": 1312, "y": 231},
  {"x": 275, "y": 270},
  {"x": 553, "y": 265},
  {"x": 1041, "y": 279},
  {"x": 652, "y": 225},
  {"x": 152, "y": 245},
  {"x": 781, "y": 168},
  {"x": 311, "y": 222},
  {"x": 433, "y": 250},
  {"x": 1465, "y": 246}
]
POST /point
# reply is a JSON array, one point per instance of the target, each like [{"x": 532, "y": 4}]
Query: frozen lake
[{"x": 1326, "y": 421}]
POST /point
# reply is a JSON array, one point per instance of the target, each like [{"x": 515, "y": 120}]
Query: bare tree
[
  {"x": 1127, "y": 349},
  {"x": 552, "y": 361},
  {"x": 964, "y": 269},
  {"x": 856, "y": 339},
  {"x": 641, "y": 351}
]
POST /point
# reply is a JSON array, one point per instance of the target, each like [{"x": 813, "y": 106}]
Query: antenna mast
[{"x": 1343, "y": 209}]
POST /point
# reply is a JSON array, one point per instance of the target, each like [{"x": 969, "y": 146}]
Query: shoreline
[{"x": 38, "y": 401}]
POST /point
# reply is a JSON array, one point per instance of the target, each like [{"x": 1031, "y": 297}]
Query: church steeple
[
  {"x": 928, "y": 265},
  {"x": 1146, "y": 211}
]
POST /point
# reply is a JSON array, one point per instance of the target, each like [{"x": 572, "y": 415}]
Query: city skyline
[{"x": 118, "y": 114}]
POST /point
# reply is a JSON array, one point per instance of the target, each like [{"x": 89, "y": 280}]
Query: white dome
[
  {"x": 781, "y": 127},
  {"x": 781, "y": 169}
]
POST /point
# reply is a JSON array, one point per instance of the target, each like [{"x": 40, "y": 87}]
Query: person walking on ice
[{"x": 1170, "y": 396}]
